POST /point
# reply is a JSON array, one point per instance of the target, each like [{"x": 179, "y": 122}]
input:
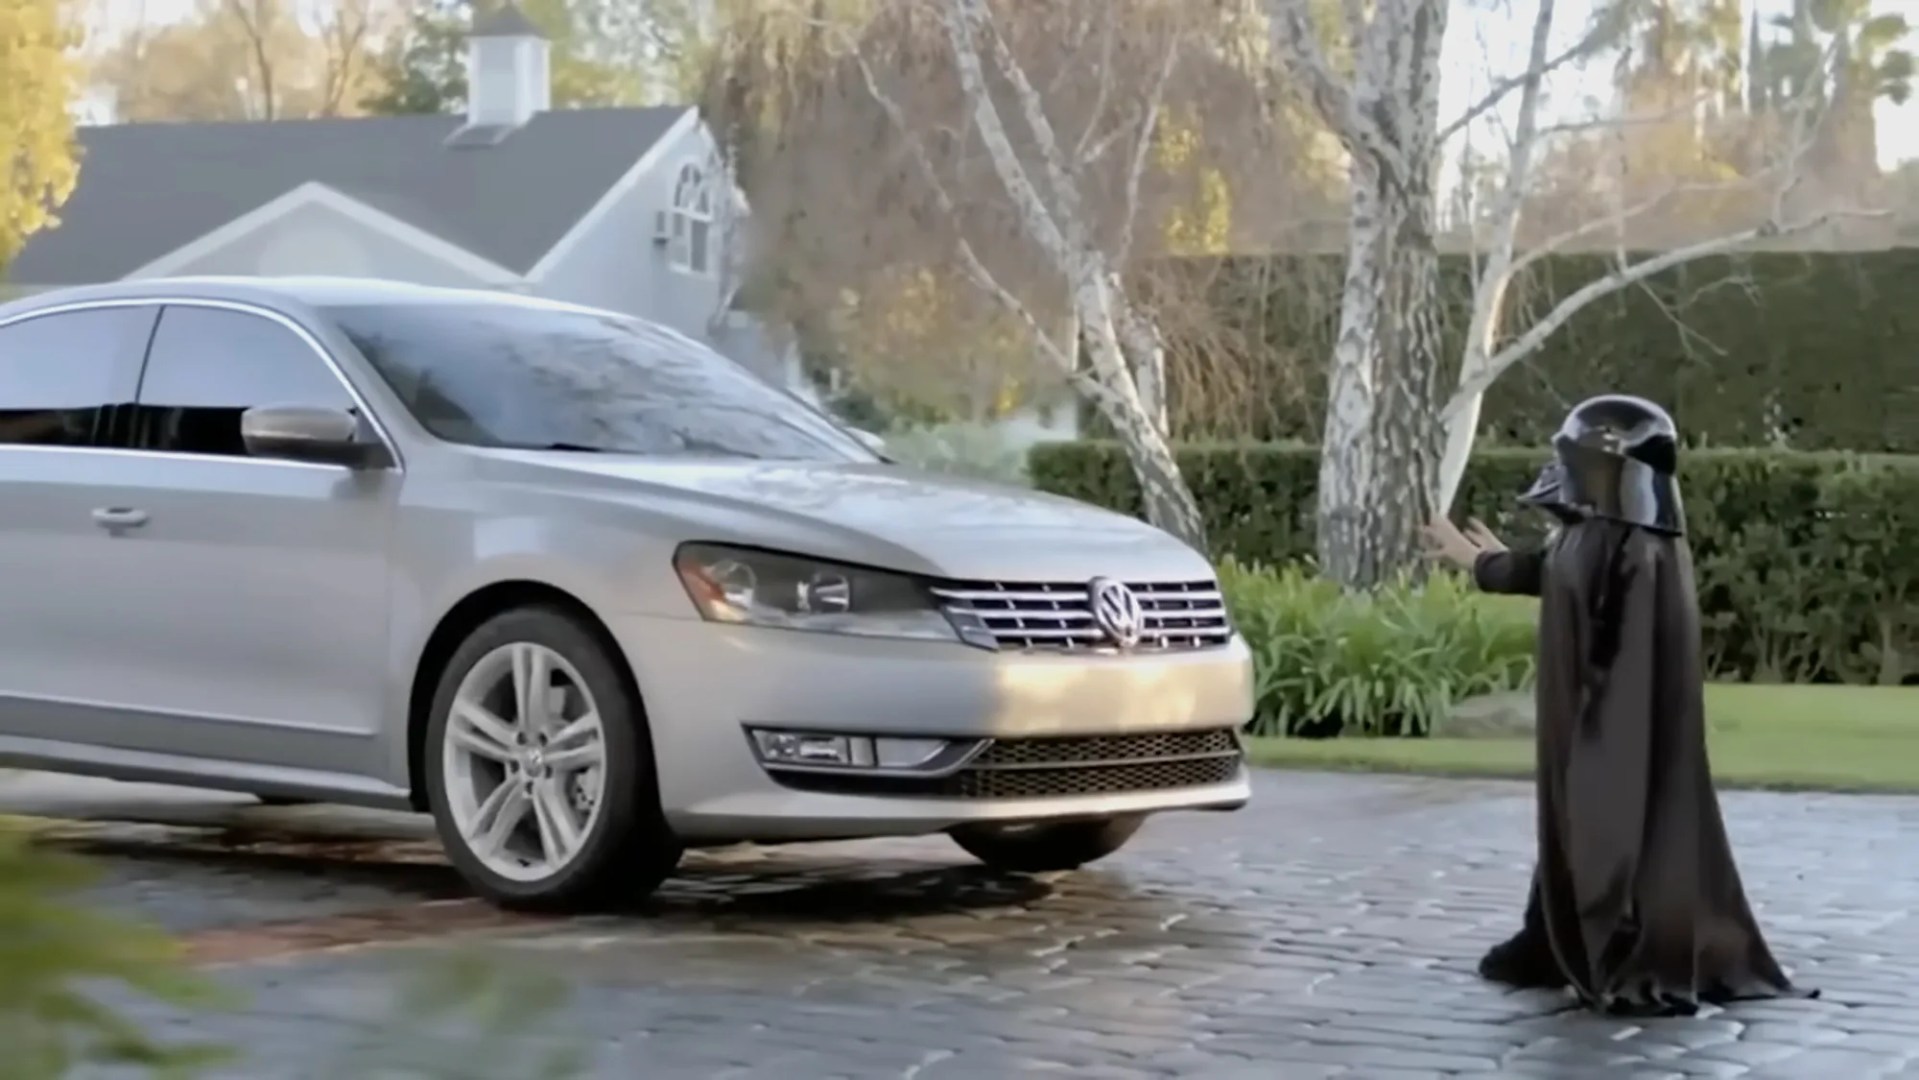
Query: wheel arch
[{"x": 459, "y": 622}]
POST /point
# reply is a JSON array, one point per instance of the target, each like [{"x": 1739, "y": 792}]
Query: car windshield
[{"x": 526, "y": 377}]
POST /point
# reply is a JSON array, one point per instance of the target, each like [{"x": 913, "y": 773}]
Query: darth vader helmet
[{"x": 1614, "y": 457}]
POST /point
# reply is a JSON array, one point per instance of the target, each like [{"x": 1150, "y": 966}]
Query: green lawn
[{"x": 1826, "y": 738}]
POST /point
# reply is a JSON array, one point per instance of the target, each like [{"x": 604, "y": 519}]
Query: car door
[
  {"x": 66, "y": 375},
  {"x": 253, "y": 591}
]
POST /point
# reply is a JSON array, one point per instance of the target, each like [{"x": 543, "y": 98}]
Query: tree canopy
[{"x": 38, "y": 80}]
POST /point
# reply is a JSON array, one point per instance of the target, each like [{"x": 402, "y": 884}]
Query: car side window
[
  {"x": 65, "y": 376},
  {"x": 208, "y": 366}
]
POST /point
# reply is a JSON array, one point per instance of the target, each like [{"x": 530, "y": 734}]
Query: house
[{"x": 621, "y": 208}]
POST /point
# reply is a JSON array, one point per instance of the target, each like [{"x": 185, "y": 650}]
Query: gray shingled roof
[{"x": 146, "y": 189}]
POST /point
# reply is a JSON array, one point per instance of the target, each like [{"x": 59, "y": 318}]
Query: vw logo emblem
[{"x": 1116, "y": 611}]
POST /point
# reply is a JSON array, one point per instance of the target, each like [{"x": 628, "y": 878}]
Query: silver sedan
[{"x": 576, "y": 585}]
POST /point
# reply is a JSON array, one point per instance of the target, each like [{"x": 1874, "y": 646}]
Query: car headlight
[{"x": 791, "y": 592}]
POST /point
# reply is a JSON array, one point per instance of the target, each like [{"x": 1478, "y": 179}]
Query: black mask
[
  {"x": 1548, "y": 493},
  {"x": 1614, "y": 457}
]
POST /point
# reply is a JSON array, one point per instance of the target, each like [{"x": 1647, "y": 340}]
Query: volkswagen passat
[{"x": 578, "y": 586}]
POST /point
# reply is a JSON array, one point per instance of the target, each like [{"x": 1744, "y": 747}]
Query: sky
[{"x": 1488, "y": 38}]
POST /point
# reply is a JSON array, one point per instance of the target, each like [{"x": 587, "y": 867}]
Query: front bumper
[{"x": 705, "y": 684}]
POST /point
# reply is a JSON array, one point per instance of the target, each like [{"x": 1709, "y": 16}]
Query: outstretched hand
[
  {"x": 1482, "y": 537},
  {"x": 1446, "y": 543}
]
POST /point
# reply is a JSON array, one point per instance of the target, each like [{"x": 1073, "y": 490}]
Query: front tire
[
  {"x": 1044, "y": 847},
  {"x": 539, "y": 768}
]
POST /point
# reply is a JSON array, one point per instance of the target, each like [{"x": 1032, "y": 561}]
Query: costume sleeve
[
  {"x": 1515, "y": 572},
  {"x": 1609, "y": 756}
]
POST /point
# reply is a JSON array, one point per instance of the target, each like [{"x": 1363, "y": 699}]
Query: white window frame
[{"x": 690, "y": 246}]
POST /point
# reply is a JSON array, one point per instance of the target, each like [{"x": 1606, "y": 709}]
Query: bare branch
[
  {"x": 1499, "y": 262},
  {"x": 1594, "y": 38},
  {"x": 1082, "y": 30},
  {"x": 967, "y": 22},
  {"x": 1101, "y": 395},
  {"x": 345, "y": 34},
  {"x": 1295, "y": 40},
  {"x": 1100, "y": 149},
  {"x": 1142, "y": 152},
  {"x": 1543, "y": 249},
  {"x": 991, "y": 128},
  {"x": 1628, "y": 274},
  {"x": 1083, "y": 154},
  {"x": 256, "y": 22},
  {"x": 1625, "y": 277}
]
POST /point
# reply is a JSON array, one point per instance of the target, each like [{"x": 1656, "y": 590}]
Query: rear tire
[
  {"x": 1044, "y": 847},
  {"x": 534, "y": 722}
]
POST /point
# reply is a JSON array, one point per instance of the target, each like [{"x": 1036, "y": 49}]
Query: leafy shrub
[
  {"x": 54, "y": 954},
  {"x": 1807, "y": 563},
  {"x": 1391, "y": 662}
]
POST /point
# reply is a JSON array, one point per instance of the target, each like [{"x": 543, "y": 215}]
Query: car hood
[{"x": 877, "y": 515}]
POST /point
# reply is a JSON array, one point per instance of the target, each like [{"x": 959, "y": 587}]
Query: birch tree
[
  {"x": 1069, "y": 189},
  {"x": 1786, "y": 134},
  {"x": 1393, "y": 448},
  {"x": 1380, "y": 444},
  {"x": 859, "y": 262}
]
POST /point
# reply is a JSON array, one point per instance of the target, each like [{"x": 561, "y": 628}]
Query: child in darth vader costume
[{"x": 1635, "y": 901}]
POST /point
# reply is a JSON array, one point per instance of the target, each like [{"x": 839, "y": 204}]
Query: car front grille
[
  {"x": 1053, "y": 617},
  {"x": 1059, "y": 767}
]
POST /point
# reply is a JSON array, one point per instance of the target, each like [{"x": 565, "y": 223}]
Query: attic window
[{"x": 690, "y": 248}]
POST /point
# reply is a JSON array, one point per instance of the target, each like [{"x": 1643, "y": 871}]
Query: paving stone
[{"x": 1329, "y": 930}]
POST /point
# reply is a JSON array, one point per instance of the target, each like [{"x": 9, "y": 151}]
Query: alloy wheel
[{"x": 524, "y": 761}]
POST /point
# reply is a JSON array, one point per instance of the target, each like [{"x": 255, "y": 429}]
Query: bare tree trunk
[
  {"x": 1123, "y": 349},
  {"x": 1168, "y": 503},
  {"x": 1348, "y": 459},
  {"x": 1380, "y": 450},
  {"x": 1495, "y": 277},
  {"x": 1410, "y": 431},
  {"x": 1379, "y": 465},
  {"x": 257, "y": 21}
]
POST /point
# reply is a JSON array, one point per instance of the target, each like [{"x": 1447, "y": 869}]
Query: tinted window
[
  {"x": 61, "y": 375},
  {"x": 209, "y": 365},
  {"x": 510, "y": 375}
]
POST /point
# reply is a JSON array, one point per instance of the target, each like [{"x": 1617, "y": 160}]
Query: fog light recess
[{"x": 813, "y": 750}]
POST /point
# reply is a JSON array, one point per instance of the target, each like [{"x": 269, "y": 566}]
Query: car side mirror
[
  {"x": 871, "y": 441},
  {"x": 305, "y": 433}
]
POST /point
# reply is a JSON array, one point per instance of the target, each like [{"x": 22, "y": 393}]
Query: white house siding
[
  {"x": 316, "y": 239},
  {"x": 621, "y": 267}
]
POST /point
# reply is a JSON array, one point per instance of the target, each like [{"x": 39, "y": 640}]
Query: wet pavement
[{"x": 1327, "y": 930}]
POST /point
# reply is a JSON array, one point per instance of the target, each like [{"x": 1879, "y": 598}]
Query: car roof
[{"x": 310, "y": 291}]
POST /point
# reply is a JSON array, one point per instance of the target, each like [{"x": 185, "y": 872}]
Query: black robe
[{"x": 1635, "y": 902}]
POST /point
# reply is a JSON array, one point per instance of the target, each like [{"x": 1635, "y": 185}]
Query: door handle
[{"x": 119, "y": 517}]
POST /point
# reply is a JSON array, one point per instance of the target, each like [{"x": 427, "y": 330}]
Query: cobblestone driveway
[{"x": 1327, "y": 930}]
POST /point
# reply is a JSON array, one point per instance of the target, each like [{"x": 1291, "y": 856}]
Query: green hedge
[
  {"x": 1808, "y": 563},
  {"x": 1822, "y": 347}
]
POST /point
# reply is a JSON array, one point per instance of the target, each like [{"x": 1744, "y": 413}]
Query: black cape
[{"x": 1635, "y": 903}]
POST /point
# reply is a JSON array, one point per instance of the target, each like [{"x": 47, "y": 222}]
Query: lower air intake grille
[
  {"x": 1107, "y": 749},
  {"x": 1090, "y": 779},
  {"x": 1059, "y": 768}
]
